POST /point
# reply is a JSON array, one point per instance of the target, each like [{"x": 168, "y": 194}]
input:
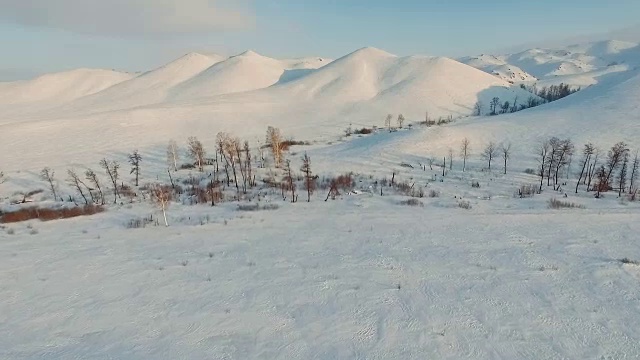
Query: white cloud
[{"x": 130, "y": 17}]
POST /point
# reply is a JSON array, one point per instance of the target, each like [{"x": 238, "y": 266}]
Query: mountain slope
[
  {"x": 60, "y": 87},
  {"x": 150, "y": 87},
  {"x": 244, "y": 72},
  {"x": 577, "y": 65}
]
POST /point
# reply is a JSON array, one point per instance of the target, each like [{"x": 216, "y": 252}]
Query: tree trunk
[{"x": 164, "y": 214}]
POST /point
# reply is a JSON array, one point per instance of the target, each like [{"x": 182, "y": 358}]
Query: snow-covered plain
[{"x": 360, "y": 277}]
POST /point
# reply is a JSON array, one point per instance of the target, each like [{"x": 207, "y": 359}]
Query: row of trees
[
  {"x": 491, "y": 152},
  {"x": 543, "y": 96},
  {"x": 551, "y": 93}
]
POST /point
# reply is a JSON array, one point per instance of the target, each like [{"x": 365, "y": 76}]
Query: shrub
[
  {"x": 433, "y": 193},
  {"x": 530, "y": 171},
  {"x": 140, "y": 223},
  {"x": 464, "y": 204},
  {"x": 527, "y": 191},
  {"x": 629, "y": 261},
  {"x": 257, "y": 207},
  {"x": 187, "y": 166},
  {"x": 412, "y": 202},
  {"x": 46, "y": 214},
  {"x": 559, "y": 204},
  {"x": 363, "y": 131},
  {"x": 475, "y": 184}
]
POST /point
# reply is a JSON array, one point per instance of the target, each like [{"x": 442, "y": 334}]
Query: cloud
[{"x": 130, "y": 17}]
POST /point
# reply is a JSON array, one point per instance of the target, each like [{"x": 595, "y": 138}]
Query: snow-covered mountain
[
  {"x": 315, "y": 99},
  {"x": 578, "y": 65}
]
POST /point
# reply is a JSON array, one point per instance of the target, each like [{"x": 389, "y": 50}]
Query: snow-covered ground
[
  {"x": 364, "y": 276},
  {"x": 356, "y": 278}
]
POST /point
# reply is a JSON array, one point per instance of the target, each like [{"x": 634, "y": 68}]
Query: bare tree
[
  {"x": 134, "y": 160},
  {"x": 587, "y": 153},
  {"x": 111, "y": 168},
  {"x": 594, "y": 166},
  {"x": 196, "y": 152},
  {"x": 622, "y": 174},
  {"x": 542, "y": 153},
  {"x": 615, "y": 157},
  {"x": 48, "y": 175},
  {"x": 2, "y": 178},
  {"x": 400, "y": 120},
  {"x": 74, "y": 180},
  {"x": 495, "y": 102},
  {"x": 552, "y": 157},
  {"x": 274, "y": 140},
  {"x": 563, "y": 156},
  {"x": 231, "y": 148},
  {"x": 173, "y": 155},
  {"x": 634, "y": 173},
  {"x": 248, "y": 163},
  {"x": 505, "y": 149},
  {"x": 161, "y": 196},
  {"x": 222, "y": 140},
  {"x": 450, "y": 159},
  {"x": 490, "y": 152},
  {"x": 387, "y": 122},
  {"x": 309, "y": 180},
  {"x": 603, "y": 181},
  {"x": 431, "y": 161},
  {"x": 477, "y": 108},
  {"x": 289, "y": 183},
  {"x": 91, "y": 176},
  {"x": 465, "y": 150}
]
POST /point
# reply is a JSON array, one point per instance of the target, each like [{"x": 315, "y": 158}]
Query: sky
[{"x": 40, "y": 36}]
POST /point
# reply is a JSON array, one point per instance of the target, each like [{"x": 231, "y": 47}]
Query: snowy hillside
[
  {"x": 244, "y": 72},
  {"x": 578, "y": 65},
  {"x": 54, "y": 89},
  {"x": 191, "y": 96}
]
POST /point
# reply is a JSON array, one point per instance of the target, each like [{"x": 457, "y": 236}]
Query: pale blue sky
[{"x": 43, "y": 35}]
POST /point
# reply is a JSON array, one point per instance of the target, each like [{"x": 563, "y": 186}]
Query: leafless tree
[
  {"x": 74, "y": 180},
  {"x": 161, "y": 195},
  {"x": 387, "y": 122},
  {"x": 552, "y": 157},
  {"x": 450, "y": 159},
  {"x": 563, "y": 156},
  {"x": 309, "y": 180},
  {"x": 248, "y": 163},
  {"x": 603, "y": 182},
  {"x": 587, "y": 153},
  {"x": 400, "y": 121},
  {"x": 495, "y": 102},
  {"x": 615, "y": 157},
  {"x": 542, "y": 154},
  {"x": 634, "y": 173},
  {"x": 2, "y": 178},
  {"x": 48, "y": 175},
  {"x": 237, "y": 149},
  {"x": 288, "y": 180},
  {"x": 477, "y": 108},
  {"x": 465, "y": 150},
  {"x": 431, "y": 161},
  {"x": 594, "y": 166},
  {"x": 134, "y": 159},
  {"x": 91, "y": 176},
  {"x": 196, "y": 152},
  {"x": 222, "y": 140},
  {"x": 274, "y": 140},
  {"x": 173, "y": 155},
  {"x": 505, "y": 150},
  {"x": 622, "y": 174},
  {"x": 111, "y": 168},
  {"x": 231, "y": 148},
  {"x": 490, "y": 152}
]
